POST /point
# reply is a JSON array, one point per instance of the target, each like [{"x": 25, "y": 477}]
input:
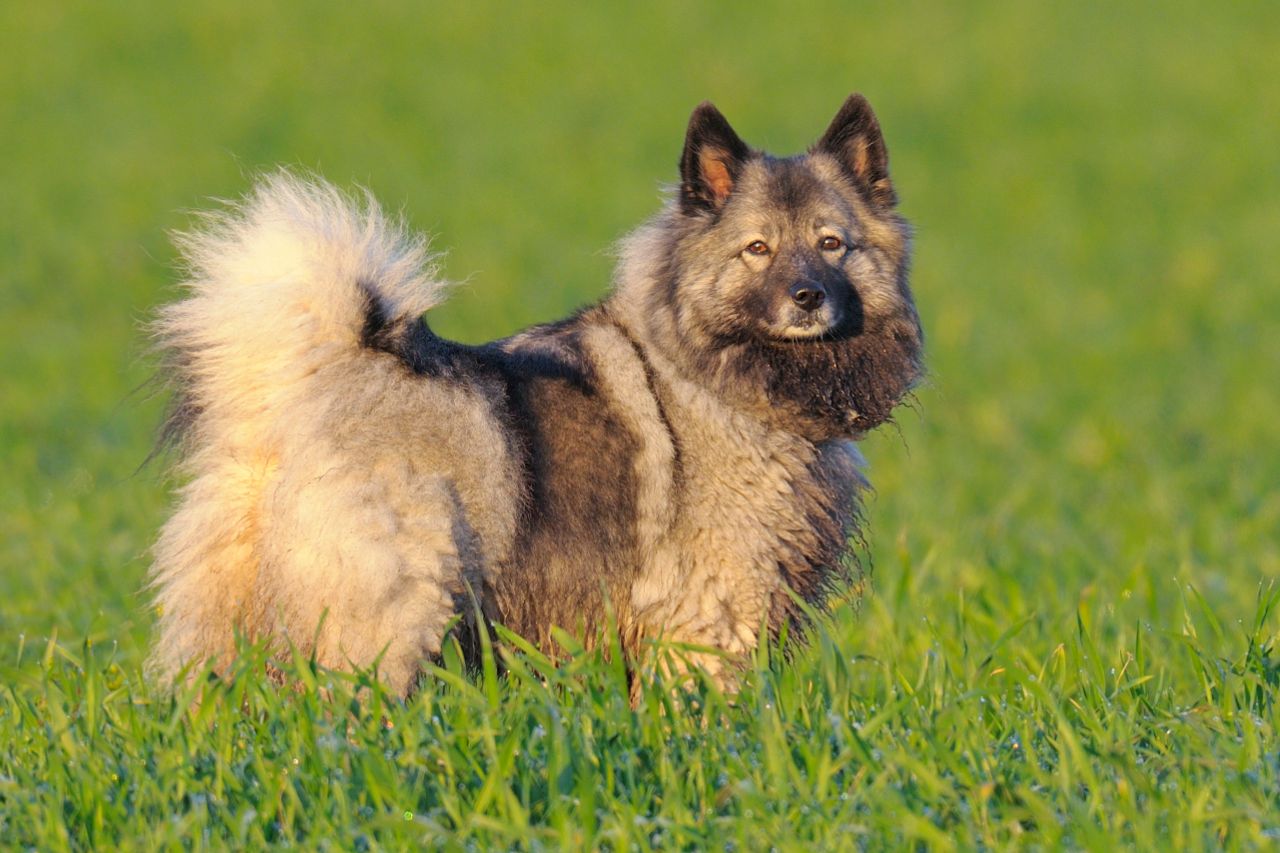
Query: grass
[
  {"x": 961, "y": 735},
  {"x": 1071, "y": 642}
]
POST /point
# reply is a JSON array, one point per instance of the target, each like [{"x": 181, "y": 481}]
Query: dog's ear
[
  {"x": 712, "y": 160},
  {"x": 855, "y": 141}
]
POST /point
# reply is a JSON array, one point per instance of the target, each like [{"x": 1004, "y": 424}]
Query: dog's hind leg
[{"x": 363, "y": 563}]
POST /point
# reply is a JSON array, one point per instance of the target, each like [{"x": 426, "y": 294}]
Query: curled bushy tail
[
  {"x": 290, "y": 278},
  {"x": 289, "y": 294}
]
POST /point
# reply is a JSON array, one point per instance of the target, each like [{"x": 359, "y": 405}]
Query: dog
[{"x": 675, "y": 462}]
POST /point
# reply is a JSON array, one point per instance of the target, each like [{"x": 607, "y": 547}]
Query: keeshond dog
[{"x": 675, "y": 462}]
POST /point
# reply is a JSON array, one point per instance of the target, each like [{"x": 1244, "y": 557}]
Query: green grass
[{"x": 1071, "y": 641}]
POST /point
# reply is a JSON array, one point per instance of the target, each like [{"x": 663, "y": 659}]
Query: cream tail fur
[{"x": 300, "y": 520}]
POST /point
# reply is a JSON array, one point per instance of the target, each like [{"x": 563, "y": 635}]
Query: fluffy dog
[{"x": 676, "y": 461}]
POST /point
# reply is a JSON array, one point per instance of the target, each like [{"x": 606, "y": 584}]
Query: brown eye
[
  {"x": 759, "y": 247},
  {"x": 830, "y": 244}
]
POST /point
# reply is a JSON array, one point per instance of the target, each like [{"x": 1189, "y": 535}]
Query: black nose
[{"x": 809, "y": 295}]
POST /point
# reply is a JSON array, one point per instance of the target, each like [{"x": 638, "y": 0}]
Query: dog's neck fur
[{"x": 639, "y": 306}]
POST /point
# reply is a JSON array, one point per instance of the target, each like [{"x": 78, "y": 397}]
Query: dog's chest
[{"x": 738, "y": 512}]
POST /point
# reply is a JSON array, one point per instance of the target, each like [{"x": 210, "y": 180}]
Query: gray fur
[{"x": 676, "y": 461}]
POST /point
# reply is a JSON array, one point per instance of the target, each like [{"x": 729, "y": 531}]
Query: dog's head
[{"x": 787, "y": 278}]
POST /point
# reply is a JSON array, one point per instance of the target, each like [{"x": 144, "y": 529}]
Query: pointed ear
[
  {"x": 855, "y": 141},
  {"x": 712, "y": 161}
]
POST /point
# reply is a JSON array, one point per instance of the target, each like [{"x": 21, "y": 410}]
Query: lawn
[{"x": 1071, "y": 637}]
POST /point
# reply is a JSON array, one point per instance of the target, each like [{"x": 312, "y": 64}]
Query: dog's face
[
  {"x": 781, "y": 259},
  {"x": 793, "y": 272}
]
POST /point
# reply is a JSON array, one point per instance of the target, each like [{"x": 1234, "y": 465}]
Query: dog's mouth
[
  {"x": 807, "y": 330},
  {"x": 814, "y": 327}
]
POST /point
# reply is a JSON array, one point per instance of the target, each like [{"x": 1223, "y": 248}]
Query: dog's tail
[
  {"x": 295, "y": 297},
  {"x": 294, "y": 278}
]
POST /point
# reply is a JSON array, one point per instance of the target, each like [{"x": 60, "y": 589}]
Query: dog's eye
[
  {"x": 759, "y": 247},
  {"x": 830, "y": 244}
]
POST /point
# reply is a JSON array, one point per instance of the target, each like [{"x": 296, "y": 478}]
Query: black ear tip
[
  {"x": 853, "y": 119},
  {"x": 857, "y": 105},
  {"x": 706, "y": 114}
]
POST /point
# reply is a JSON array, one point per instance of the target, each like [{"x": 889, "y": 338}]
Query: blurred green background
[{"x": 1095, "y": 186}]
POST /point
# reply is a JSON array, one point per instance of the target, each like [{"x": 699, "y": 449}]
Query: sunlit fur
[{"x": 676, "y": 461}]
